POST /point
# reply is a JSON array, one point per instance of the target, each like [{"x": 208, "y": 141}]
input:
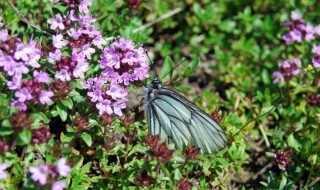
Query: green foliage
[{"x": 229, "y": 50}]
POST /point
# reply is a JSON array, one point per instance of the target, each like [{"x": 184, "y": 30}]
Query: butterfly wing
[{"x": 174, "y": 117}]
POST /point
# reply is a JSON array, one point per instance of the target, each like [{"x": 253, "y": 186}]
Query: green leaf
[
  {"x": 194, "y": 64},
  {"x": 6, "y": 123},
  {"x": 80, "y": 187},
  {"x": 76, "y": 96},
  {"x": 86, "y": 168},
  {"x": 265, "y": 76},
  {"x": 260, "y": 95},
  {"x": 5, "y": 131},
  {"x": 164, "y": 170},
  {"x": 24, "y": 137},
  {"x": 283, "y": 181},
  {"x": 62, "y": 111},
  {"x": 87, "y": 139},
  {"x": 67, "y": 138},
  {"x": 138, "y": 148},
  {"x": 68, "y": 102},
  {"x": 40, "y": 117},
  {"x": 292, "y": 142},
  {"x": 167, "y": 68},
  {"x": 76, "y": 180},
  {"x": 206, "y": 167},
  {"x": 177, "y": 174}
]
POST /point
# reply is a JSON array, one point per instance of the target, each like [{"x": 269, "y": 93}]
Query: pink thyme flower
[
  {"x": 78, "y": 56},
  {"x": 288, "y": 69},
  {"x": 15, "y": 69},
  {"x": 96, "y": 95},
  {"x": 317, "y": 30},
  {"x": 295, "y": 16},
  {"x": 75, "y": 34},
  {"x": 57, "y": 22},
  {"x": 62, "y": 168},
  {"x": 91, "y": 31},
  {"x": 4, "y": 147},
  {"x": 86, "y": 20},
  {"x": 23, "y": 94},
  {"x": 72, "y": 16},
  {"x": 309, "y": 32},
  {"x": 40, "y": 174},
  {"x": 316, "y": 61},
  {"x": 58, "y": 185},
  {"x": 115, "y": 91},
  {"x": 316, "y": 49},
  {"x": 80, "y": 69},
  {"x": 45, "y": 96},
  {"x": 3, "y": 167},
  {"x": 15, "y": 83},
  {"x": 20, "y": 105},
  {"x": 83, "y": 6},
  {"x": 88, "y": 51},
  {"x": 4, "y": 35},
  {"x": 58, "y": 41},
  {"x": 1, "y": 23},
  {"x": 63, "y": 75},
  {"x": 22, "y": 52},
  {"x": 316, "y": 58},
  {"x": 54, "y": 56},
  {"x": 278, "y": 77},
  {"x": 282, "y": 159},
  {"x": 41, "y": 77},
  {"x": 104, "y": 107},
  {"x": 99, "y": 41},
  {"x": 117, "y": 106}
]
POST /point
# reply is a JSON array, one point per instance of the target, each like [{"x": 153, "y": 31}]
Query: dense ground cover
[{"x": 71, "y": 72}]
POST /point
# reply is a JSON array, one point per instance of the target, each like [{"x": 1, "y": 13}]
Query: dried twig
[
  {"x": 314, "y": 182},
  {"x": 23, "y": 19},
  {"x": 169, "y": 14},
  {"x": 262, "y": 171}
]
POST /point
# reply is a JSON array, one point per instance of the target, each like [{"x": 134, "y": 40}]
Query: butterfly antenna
[
  {"x": 176, "y": 66},
  {"x": 151, "y": 65},
  {"x": 255, "y": 118}
]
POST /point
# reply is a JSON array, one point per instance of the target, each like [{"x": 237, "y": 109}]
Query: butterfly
[{"x": 175, "y": 118}]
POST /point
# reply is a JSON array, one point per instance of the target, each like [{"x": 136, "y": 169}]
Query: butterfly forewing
[{"x": 177, "y": 119}]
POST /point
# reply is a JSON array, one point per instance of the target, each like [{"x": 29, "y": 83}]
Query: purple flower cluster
[
  {"x": 282, "y": 159},
  {"x": 40, "y": 135},
  {"x": 4, "y": 147},
  {"x": 312, "y": 99},
  {"x": 47, "y": 173},
  {"x": 316, "y": 58},
  {"x": 82, "y": 36},
  {"x": 18, "y": 59},
  {"x": 121, "y": 64},
  {"x": 299, "y": 29},
  {"x": 288, "y": 69}
]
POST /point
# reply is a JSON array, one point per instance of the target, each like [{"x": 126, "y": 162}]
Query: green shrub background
[{"x": 236, "y": 46}]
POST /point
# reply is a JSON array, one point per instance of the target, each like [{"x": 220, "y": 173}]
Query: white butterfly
[{"x": 175, "y": 118}]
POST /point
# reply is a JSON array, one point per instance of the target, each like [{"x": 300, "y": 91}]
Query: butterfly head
[{"x": 156, "y": 82}]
